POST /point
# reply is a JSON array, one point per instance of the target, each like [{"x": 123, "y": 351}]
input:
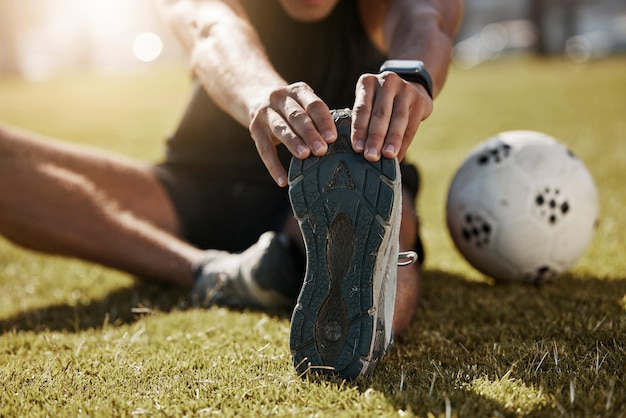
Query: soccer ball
[{"x": 522, "y": 207}]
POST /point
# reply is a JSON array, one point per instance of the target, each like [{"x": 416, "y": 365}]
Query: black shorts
[
  {"x": 231, "y": 214},
  {"x": 226, "y": 214}
]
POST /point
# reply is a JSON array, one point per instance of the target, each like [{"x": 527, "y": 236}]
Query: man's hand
[
  {"x": 387, "y": 112},
  {"x": 296, "y": 117}
]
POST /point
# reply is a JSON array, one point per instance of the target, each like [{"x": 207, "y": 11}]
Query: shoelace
[{"x": 407, "y": 258}]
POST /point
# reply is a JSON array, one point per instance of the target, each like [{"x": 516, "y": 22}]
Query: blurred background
[{"x": 43, "y": 38}]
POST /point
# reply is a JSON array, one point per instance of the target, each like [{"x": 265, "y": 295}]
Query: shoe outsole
[{"x": 344, "y": 206}]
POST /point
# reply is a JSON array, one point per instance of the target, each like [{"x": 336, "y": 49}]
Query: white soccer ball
[{"x": 522, "y": 207}]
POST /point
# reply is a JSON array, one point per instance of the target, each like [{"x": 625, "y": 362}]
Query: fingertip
[
  {"x": 329, "y": 136},
  {"x": 302, "y": 152},
  {"x": 319, "y": 148},
  {"x": 359, "y": 146},
  {"x": 281, "y": 180},
  {"x": 389, "y": 152},
  {"x": 371, "y": 154}
]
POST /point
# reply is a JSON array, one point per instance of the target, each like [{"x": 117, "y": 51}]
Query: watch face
[{"x": 403, "y": 65}]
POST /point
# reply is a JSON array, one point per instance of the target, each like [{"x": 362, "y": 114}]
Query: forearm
[
  {"x": 225, "y": 53},
  {"x": 426, "y": 32}
]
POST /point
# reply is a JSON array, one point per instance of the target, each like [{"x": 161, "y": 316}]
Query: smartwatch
[{"x": 410, "y": 70}]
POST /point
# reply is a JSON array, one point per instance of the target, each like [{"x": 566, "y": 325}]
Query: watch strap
[{"x": 422, "y": 78}]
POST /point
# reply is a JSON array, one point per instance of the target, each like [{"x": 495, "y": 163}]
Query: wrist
[{"x": 412, "y": 71}]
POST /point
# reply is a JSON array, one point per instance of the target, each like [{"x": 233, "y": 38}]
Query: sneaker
[
  {"x": 266, "y": 275},
  {"x": 349, "y": 212}
]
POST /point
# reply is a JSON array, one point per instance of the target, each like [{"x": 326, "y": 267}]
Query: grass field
[{"x": 81, "y": 340}]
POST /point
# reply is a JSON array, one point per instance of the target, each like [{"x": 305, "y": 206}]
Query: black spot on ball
[{"x": 540, "y": 200}]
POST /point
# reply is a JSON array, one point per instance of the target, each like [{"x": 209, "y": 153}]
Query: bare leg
[
  {"x": 407, "y": 291},
  {"x": 70, "y": 200}
]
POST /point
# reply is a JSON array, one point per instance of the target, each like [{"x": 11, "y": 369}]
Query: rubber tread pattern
[{"x": 326, "y": 191}]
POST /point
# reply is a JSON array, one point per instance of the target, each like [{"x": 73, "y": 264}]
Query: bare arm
[
  {"x": 229, "y": 60},
  {"x": 389, "y": 110},
  {"x": 223, "y": 49},
  {"x": 426, "y": 32}
]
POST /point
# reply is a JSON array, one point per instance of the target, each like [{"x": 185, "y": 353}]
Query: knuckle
[
  {"x": 368, "y": 79},
  {"x": 298, "y": 115},
  {"x": 380, "y": 112},
  {"x": 280, "y": 130},
  {"x": 376, "y": 137},
  {"x": 402, "y": 113},
  {"x": 302, "y": 123},
  {"x": 283, "y": 133},
  {"x": 316, "y": 106},
  {"x": 395, "y": 136},
  {"x": 390, "y": 77},
  {"x": 298, "y": 86},
  {"x": 278, "y": 95},
  {"x": 277, "y": 126}
]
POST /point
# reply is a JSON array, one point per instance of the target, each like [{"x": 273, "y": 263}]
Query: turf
[{"x": 81, "y": 340}]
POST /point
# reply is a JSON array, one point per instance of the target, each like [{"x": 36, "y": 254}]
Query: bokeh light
[{"x": 147, "y": 46}]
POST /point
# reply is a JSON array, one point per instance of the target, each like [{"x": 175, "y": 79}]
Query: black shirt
[{"x": 328, "y": 55}]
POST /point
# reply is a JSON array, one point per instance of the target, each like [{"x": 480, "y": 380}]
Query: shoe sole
[{"x": 344, "y": 205}]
